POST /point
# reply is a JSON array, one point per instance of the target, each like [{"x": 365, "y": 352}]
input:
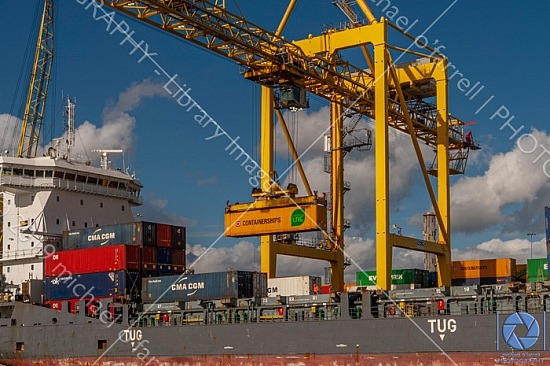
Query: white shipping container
[{"x": 289, "y": 286}]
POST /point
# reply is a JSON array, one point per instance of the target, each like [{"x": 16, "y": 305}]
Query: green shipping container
[
  {"x": 537, "y": 270},
  {"x": 398, "y": 277}
]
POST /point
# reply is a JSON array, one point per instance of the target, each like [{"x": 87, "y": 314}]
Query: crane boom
[
  {"x": 38, "y": 87},
  {"x": 271, "y": 60},
  {"x": 397, "y": 96}
]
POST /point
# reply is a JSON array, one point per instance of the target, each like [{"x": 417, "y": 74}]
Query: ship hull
[
  {"x": 29, "y": 337},
  {"x": 424, "y": 359}
]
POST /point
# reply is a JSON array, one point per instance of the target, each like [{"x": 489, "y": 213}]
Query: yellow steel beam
[
  {"x": 366, "y": 10},
  {"x": 286, "y": 17},
  {"x": 381, "y": 152},
  {"x": 416, "y": 146},
  {"x": 337, "y": 190},
  {"x": 333, "y": 41},
  {"x": 294, "y": 153},
  {"x": 308, "y": 252},
  {"x": 279, "y": 202},
  {"x": 419, "y": 245},
  {"x": 268, "y": 252},
  {"x": 335, "y": 258},
  {"x": 443, "y": 181},
  {"x": 268, "y": 255},
  {"x": 337, "y": 174}
]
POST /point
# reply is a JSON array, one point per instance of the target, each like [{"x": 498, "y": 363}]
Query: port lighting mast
[
  {"x": 38, "y": 87},
  {"x": 396, "y": 96}
]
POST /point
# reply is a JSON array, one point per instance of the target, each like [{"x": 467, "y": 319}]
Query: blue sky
[{"x": 501, "y": 45}]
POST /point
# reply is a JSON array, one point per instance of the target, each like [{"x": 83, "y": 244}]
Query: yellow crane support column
[
  {"x": 381, "y": 153},
  {"x": 337, "y": 193},
  {"x": 443, "y": 181},
  {"x": 268, "y": 251},
  {"x": 268, "y": 255}
]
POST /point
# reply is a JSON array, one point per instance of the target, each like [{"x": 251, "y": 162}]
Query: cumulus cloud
[
  {"x": 117, "y": 130},
  {"x": 246, "y": 256},
  {"x": 520, "y": 249},
  {"x": 10, "y": 127},
  {"x": 358, "y": 167},
  {"x": 155, "y": 209},
  {"x": 512, "y": 191}
]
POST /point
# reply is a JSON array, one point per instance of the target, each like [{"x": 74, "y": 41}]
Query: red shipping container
[
  {"x": 178, "y": 237},
  {"x": 178, "y": 257},
  {"x": 164, "y": 235},
  {"x": 149, "y": 259},
  {"x": 56, "y": 305},
  {"x": 93, "y": 260}
]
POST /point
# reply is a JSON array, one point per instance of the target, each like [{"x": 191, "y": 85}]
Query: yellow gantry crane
[
  {"x": 38, "y": 87},
  {"x": 397, "y": 96}
]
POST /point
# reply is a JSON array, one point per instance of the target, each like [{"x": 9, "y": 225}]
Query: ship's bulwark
[{"x": 28, "y": 337}]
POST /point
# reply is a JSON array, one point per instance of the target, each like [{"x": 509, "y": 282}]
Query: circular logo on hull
[{"x": 522, "y": 323}]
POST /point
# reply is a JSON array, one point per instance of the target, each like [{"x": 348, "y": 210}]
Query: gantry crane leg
[
  {"x": 443, "y": 181},
  {"x": 381, "y": 153},
  {"x": 268, "y": 254},
  {"x": 337, "y": 193}
]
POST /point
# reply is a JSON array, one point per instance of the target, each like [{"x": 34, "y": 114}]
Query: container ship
[{"x": 86, "y": 285}]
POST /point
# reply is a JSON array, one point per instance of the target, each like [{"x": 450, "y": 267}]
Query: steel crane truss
[
  {"x": 38, "y": 88},
  {"x": 394, "y": 95}
]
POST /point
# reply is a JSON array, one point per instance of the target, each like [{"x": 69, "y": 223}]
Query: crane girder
[
  {"x": 38, "y": 88},
  {"x": 271, "y": 60}
]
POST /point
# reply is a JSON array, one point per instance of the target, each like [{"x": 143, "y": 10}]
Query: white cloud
[
  {"x": 512, "y": 191},
  {"x": 246, "y": 256},
  {"x": 155, "y": 209},
  {"x": 243, "y": 256},
  {"x": 10, "y": 129},
  {"x": 520, "y": 249},
  {"x": 117, "y": 130}
]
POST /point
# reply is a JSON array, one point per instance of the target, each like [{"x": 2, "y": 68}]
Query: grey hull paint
[{"x": 74, "y": 336}]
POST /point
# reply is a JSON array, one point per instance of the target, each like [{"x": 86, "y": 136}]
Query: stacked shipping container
[
  {"x": 399, "y": 278},
  {"x": 483, "y": 272},
  {"x": 204, "y": 286},
  {"x": 537, "y": 270},
  {"x": 110, "y": 261},
  {"x": 298, "y": 285}
]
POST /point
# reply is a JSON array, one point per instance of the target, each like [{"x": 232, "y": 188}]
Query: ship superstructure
[{"x": 42, "y": 197}]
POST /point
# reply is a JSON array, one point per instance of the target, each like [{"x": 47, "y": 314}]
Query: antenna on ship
[
  {"x": 105, "y": 163},
  {"x": 70, "y": 113}
]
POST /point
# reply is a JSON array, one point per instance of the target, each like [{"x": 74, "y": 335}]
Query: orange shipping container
[
  {"x": 277, "y": 220},
  {"x": 500, "y": 267}
]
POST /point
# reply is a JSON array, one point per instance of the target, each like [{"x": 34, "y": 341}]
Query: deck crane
[
  {"x": 38, "y": 87},
  {"x": 397, "y": 96}
]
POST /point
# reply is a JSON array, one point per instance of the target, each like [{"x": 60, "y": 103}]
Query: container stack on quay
[
  {"x": 111, "y": 261},
  {"x": 400, "y": 279},
  {"x": 484, "y": 272},
  {"x": 537, "y": 270}
]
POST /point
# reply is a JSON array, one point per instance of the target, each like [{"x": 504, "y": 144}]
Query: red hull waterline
[{"x": 411, "y": 359}]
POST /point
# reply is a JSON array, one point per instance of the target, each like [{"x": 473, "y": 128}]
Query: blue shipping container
[
  {"x": 93, "y": 285},
  {"x": 135, "y": 233},
  {"x": 203, "y": 286},
  {"x": 164, "y": 255}
]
